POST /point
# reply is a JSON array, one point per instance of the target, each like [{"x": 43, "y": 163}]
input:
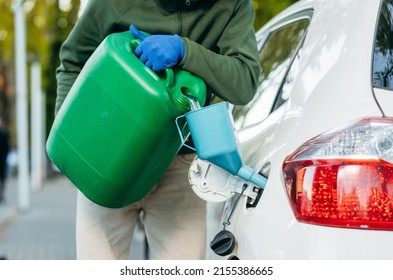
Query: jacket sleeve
[
  {"x": 232, "y": 73},
  {"x": 89, "y": 31}
]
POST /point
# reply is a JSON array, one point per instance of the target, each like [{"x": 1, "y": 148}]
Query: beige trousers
[{"x": 174, "y": 219}]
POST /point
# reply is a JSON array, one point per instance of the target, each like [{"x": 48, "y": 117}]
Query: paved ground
[{"x": 46, "y": 230}]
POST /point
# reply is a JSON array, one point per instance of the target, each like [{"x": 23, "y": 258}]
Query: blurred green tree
[
  {"x": 47, "y": 24},
  {"x": 266, "y": 9}
]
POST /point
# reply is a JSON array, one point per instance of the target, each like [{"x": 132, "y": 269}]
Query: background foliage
[{"x": 47, "y": 24}]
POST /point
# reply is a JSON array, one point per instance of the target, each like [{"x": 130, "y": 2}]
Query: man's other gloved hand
[{"x": 158, "y": 51}]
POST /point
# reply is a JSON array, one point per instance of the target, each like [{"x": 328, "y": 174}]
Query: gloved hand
[{"x": 158, "y": 51}]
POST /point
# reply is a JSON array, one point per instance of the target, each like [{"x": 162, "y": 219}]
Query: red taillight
[{"x": 344, "y": 177}]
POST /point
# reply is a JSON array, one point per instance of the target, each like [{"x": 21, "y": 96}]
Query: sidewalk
[{"x": 47, "y": 230}]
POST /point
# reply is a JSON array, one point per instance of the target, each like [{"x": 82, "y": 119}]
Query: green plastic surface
[{"x": 115, "y": 134}]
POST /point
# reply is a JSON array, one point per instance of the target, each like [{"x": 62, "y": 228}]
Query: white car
[{"x": 320, "y": 129}]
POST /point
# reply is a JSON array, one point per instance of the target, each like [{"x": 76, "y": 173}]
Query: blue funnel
[{"x": 215, "y": 141}]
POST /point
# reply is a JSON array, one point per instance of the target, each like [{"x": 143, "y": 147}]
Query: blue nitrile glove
[{"x": 158, "y": 51}]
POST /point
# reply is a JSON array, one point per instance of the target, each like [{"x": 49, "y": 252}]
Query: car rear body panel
[{"x": 332, "y": 88}]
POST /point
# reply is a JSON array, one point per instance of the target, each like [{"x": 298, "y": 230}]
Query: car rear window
[{"x": 383, "y": 50}]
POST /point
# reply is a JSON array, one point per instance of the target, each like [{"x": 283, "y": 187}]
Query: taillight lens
[{"x": 344, "y": 177}]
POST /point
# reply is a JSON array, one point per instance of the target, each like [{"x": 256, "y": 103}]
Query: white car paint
[{"x": 333, "y": 87}]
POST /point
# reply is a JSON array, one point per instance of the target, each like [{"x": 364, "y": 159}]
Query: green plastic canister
[{"x": 115, "y": 134}]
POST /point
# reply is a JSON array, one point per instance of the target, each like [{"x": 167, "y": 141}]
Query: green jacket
[{"x": 219, "y": 39}]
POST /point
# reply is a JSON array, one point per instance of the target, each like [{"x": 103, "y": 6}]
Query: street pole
[
  {"x": 36, "y": 128},
  {"x": 21, "y": 106}
]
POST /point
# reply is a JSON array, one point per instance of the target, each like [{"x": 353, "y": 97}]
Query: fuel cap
[{"x": 223, "y": 243}]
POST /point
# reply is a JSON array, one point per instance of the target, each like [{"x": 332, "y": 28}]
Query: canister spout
[{"x": 247, "y": 173}]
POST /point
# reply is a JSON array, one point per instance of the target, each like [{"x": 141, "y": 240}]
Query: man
[
  {"x": 213, "y": 39},
  {"x": 4, "y": 149}
]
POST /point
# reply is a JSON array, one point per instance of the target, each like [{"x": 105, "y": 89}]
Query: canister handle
[
  {"x": 169, "y": 76},
  {"x": 134, "y": 43}
]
